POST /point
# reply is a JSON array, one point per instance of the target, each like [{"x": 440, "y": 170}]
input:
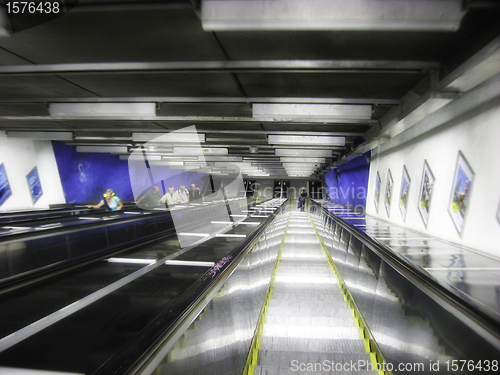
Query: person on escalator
[
  {"x": 302, "y": 199},
  {"x": 110, "y": 202},
  {"x": 195, "y": 193},
  {"x": 171, "y": 198},
  {"x": 151, "y": 198}
]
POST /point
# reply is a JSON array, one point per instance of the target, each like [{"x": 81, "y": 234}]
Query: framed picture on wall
[
  {"x": 403, "y": 195},
  {"x": 5, "y": 191},
  {"x": 377, "y": 191},
  {"x": 462, "y": 184},
  {"x": 426, "y": 188},
  {"x": 34, "y": 185},
  {"x": 388, "y": 192}
]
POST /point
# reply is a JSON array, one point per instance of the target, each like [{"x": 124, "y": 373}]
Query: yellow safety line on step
[
  {"x": 375, "y": 356},
  {"x": 253, "y": 355}
]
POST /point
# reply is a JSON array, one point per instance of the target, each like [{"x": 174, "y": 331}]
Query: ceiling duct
[{"x": 42, "y": 136}]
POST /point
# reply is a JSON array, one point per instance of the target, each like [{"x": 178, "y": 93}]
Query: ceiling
[{"x": 108, "y": 52}]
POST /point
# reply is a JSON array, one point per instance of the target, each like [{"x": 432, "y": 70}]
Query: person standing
[
  {"x": 195, "y": 193},
  {"x": 171, "y": 198},
  {"x": 110, "y": 202},
  {"x": 302, "y": 199},
  {"x": 151, "y": 198},
  {"x": 183, "y": 194}
]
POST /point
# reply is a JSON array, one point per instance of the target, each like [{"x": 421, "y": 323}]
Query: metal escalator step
[
  {"x": 285, "y": 359},
  {"x": 312, "y": 281},
  {"x": 262, "y": 370},
  {"x": 301, "y": 287},
  {"x": 299, "y": 228},
  {"x": 312, "y": 344},
  {"x": 324, "y": 321},
  {"x": 299, "y": 271},
  {"x": 296, "y": 298},
  {"x": 302, "y": 241},
  {"x": 311, "y": 332},
  {"x": 301, "y": 311}
]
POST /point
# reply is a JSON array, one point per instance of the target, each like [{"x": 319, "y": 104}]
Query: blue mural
[
  {"x": 86, "y": 176},
  {"x": 348, "y": 183}
]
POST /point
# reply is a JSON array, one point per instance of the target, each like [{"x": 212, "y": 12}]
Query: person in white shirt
[
  {"x": 183, "y": 194},
  {"x": 171, "y": 198}
]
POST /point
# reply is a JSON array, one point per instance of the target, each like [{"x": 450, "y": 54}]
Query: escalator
[
  {"x": 308, "y": 324},
  {"x": 301, "y": 293},
  {"x": 328, "y": 300}
]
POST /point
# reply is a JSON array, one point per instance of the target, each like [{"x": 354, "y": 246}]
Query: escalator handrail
[
  {"x": 142, "y": 348},
  {"x": 466, "y": 311}
]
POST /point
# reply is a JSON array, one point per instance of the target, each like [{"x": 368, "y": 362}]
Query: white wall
[
  {"x": 19, "y": 157},
  {"x": 477, "y": 136}
]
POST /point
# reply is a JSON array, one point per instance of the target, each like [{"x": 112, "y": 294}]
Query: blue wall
[
  {"x": 86, "y": 176},
  {"x": 348, "y": 183}
]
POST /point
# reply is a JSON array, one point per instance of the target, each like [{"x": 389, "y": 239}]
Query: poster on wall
[
  {"x": 5, "y": 191},
  {"x": 377, "y": 191},
  {"x": 34, "y": 185},
  {"x": 388, "y": 192},
  {"x": 462, "y": 184},
  {"x": 403, "y": 195},
  {"x": 426, "y": 188}
]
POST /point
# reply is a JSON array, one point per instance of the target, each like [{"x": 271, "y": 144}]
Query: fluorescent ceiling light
[
  {"x": 200, "y": 151},
  {"x": 185, "y": 167},
  {"x": 102, "y": 109},
  {"x": 42, "y": 136},
  {"x": 286, "y": 159},
  {"x": 221, "y": 158},
  {"x": 165, "y": 163},
  {"x": 301, "y": 165},
  {"x": 99, "y": 138},
  {"x": 423, "y": 15},
  {"x": 173, "y": 137},
  {"x": 140, "y": 157},
  {"x": 180, "y": 158},
  {"x": 305, "y": 140},
  {"x": 104, "y": 149},
  {"x": 152, "y": 150},
  {"x": 303, "y": 152},
  {"x": 291, "y": 168},
  {"x": 311, "y": 112}
]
